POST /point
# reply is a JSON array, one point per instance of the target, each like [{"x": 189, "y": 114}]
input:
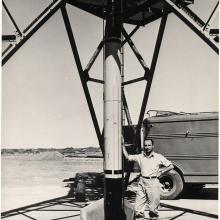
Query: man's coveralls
[{"x": 148, "y": 191}]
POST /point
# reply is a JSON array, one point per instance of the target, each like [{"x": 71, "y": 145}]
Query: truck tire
[{"x": 171, "y": 185}]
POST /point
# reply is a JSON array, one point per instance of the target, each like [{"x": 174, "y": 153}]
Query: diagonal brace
[
  {"x": 195, "y": 26},
  {"x": 137, "y": 54},
  {"x": 152, "y": 70},
  {"x": 12, "y": 19},
  {"x": 82, "y": 78},
  {"x": 47, "y": 15},
  {"x": 130, "y": 35},
  {"x": 147, "y": 89}
]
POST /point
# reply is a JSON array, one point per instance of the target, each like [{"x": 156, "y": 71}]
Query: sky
[{"x": 43, "y": 104}]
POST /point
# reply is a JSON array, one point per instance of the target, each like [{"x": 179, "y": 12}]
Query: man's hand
[
  {"x": 165, "y": 170},
  {"x": 173, "y": 172},
  {"x": 159, "y": 173},
  {"x": 125, "y": 151}
]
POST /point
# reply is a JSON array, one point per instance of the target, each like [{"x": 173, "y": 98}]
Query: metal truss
[
  {"x": 31, "y": 29},
  {"x": 202, "y": 29},
  {"x": 69, "y": 208},
  {"x": 178, "y": 7}
]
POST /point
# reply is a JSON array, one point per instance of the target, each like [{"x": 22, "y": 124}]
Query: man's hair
[{"x": 149, "y": 139}]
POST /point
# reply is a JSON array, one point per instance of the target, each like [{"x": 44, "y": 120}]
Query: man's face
[{"x": 148, "y": 146}]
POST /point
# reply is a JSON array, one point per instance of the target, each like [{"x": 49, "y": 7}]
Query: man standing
[{"x": 152, "y": 166}]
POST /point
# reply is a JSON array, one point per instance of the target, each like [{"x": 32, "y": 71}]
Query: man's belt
[{"x": 149, "y": 177}]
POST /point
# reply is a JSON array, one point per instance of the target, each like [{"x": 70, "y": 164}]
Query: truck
[{"x": 190, "y": 142}]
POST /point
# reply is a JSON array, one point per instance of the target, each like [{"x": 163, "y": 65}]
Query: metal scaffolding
[{"x": 139, "y": 13}]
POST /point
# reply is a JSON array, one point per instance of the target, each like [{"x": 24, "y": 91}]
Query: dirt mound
[{"x": 54, "y": 155}]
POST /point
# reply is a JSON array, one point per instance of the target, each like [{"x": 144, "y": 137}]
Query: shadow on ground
[
  {"x": 171, "y": 212},
  {"x": 203, "y": 194},
  {"x": 69, "y": 206}
]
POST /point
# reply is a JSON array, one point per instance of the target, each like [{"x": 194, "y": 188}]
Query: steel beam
[
  {"x": 212, "y": 16},
  {"x": 134, "y": 80},
  {"x": 91, "y": 62},
  {"x": 152, "y": 19},
  {"x": 7, "y": 49},
  {"x": 32, "y": 31},
  {"x": 40, "y": 15},
  {"x": 152, "y": 70},
  {"x": 135, "y": 50},
  {"x": 130, "y": 35},
  {"x": 126, "y": 109},
  {"x": 134, "y": 10},
  {"x": 8, "y": 37},
  {"x": 94, "y": 56},
  {"x": 193, "y": 25},
  {"x": 87, "y": 8},
  {"x": 12, "y": 19},
  {"x": 96, "y": 80},
  {"x": 81, "y": 73},
  {"x": 147, "y": 89}
]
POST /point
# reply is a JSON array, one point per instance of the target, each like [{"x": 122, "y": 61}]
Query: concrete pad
[{"x": 95, "y": 211}]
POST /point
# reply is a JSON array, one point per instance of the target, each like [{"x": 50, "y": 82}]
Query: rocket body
[
  {"x": 112, "y": 114},
  {"x": 112, "y": 111}
]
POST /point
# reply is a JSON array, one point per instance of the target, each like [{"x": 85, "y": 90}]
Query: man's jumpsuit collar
[{"x": 149, "y": 156}]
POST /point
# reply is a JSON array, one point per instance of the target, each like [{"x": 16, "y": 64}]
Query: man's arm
[
  {"x": 124, "y": 148},
  {"x": 125, "y": 152},
  {"x": 165, "y": 170}
]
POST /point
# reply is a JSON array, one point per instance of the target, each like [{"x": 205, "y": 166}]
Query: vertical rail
[
  {"x": 82, "y": 78},
  {"x": 126, "y": 109},
  {"x": 122, "y": 102}
]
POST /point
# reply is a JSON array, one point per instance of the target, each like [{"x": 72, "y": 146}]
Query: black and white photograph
[{"x": 109, "y": 109}]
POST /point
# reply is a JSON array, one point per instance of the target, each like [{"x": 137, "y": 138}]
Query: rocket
[{"x": 112, "y": 113}]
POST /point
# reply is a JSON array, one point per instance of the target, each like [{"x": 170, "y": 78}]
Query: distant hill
[{"x": 65, "y": 152}]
